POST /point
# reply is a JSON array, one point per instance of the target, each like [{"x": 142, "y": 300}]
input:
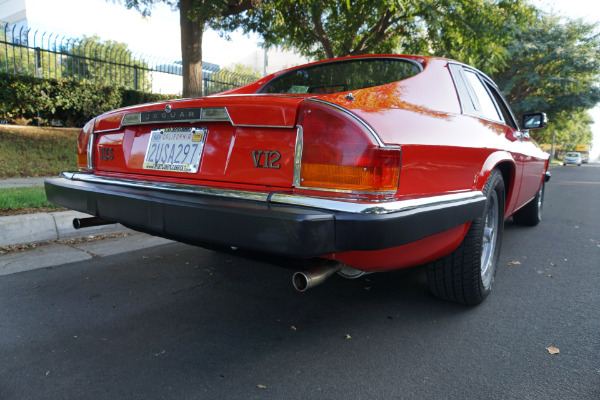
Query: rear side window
[
  {"x": 487, "y": 107},
  {"x": 342, "y": 76},
  {"x": 480, "y": 97}
]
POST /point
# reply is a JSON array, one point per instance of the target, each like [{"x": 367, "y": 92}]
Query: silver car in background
[{"x": 572, "y": 157}]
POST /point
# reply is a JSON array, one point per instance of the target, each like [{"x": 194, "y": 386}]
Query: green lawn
[
  {"x": 27, "y": 151},
  {"x": 25, "y": 200},
  {"x": 30, "y": 151}
]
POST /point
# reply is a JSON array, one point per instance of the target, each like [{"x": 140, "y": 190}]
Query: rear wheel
[
  {"x": 531, "y": 214},
  {"x": 466, "y": 275}
]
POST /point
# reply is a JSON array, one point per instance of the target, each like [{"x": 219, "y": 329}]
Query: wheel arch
[{"x": 505, "y": 163}]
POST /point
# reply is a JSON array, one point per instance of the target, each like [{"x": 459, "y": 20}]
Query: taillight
[
  {"x": 84, "y": 146},
  {"x": 339, "y": 154}
]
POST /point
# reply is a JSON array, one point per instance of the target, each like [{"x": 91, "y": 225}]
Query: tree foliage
[
  {"x": 474, "y": 31},
  {"x": 554, "y": 67},
  {"x": 105, "y": 63}
]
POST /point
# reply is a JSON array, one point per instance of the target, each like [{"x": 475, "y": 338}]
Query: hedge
[{"x": 71, "y": 102}]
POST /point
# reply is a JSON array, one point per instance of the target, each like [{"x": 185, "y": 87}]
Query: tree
[
  {"x": 571, "y": 127},
  {"x": 475, "y": 31},
  {"x": 554, "y": 67},
  {"x": 194, "y": 15},
  {"x": 107, "y": 63}
]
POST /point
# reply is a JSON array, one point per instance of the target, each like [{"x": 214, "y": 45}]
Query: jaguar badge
[{"x": 168, "y": 108}]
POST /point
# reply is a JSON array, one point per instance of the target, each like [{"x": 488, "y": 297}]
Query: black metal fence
[{"x": 24, "y": 51}]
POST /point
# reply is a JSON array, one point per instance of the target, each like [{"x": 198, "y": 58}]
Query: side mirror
[{"x": 534, "y": 121}]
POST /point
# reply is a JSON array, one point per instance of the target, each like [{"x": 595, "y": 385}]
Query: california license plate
[{"x": 175, "y": 149}]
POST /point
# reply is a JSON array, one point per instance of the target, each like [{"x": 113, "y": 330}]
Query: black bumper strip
[{"x": 289, "y": 230}]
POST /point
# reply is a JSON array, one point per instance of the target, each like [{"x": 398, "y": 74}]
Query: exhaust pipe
[
  {"x": 305, "y": 280},
  {"x": 79, "y": 223}
]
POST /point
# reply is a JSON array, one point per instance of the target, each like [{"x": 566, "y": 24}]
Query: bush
[
  {"x": 133, "y": 97},
  {"x": 71, "y": 102}
]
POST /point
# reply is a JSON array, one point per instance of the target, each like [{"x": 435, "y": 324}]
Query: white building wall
[{"x": 12, "y": 11}]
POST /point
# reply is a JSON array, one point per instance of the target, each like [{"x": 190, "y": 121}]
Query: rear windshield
[{"x": 342, "y": 76}]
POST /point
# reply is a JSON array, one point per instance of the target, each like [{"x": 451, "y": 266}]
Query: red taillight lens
[
  {"x": 338, "y": 154},
  {"x": 83, "y": 143}
]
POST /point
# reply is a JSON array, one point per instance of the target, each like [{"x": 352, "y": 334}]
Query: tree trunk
[{"x": 191, "y": 50}]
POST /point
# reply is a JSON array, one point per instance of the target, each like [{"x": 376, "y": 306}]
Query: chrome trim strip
[
  {"x": 90, "y": 150},
  {"x": 175, "y": 187},
  {"x": 377, "y": 208},
  {"x": 334, "y": 205},
  {"x": 374, "y": 134},
  {"x": 191, "y": 121},
  {"x": 108, "y": 130},
  {"x": 298, "y": 155}
]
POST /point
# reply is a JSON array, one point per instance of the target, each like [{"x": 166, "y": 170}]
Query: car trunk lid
[{"x": 239, "y": 140}]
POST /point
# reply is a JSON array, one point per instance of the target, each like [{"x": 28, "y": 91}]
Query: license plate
[{"x": 175, "y": 149}]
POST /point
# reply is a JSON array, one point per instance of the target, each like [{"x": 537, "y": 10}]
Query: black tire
[
  {"x": 466, "y": 275},
  {"x": 531, "y": 213}
]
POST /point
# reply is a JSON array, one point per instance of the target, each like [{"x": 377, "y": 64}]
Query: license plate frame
[{"x": 175, "y": 149}]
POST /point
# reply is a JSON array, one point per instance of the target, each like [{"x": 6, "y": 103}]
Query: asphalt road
[{"x": 178, "y": 322}]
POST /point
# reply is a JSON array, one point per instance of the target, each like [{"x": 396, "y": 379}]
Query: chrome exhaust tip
[{"x": 305, "y": 280}]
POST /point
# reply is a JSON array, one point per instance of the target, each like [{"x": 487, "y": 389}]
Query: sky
[{"x": 159, "y": 35}]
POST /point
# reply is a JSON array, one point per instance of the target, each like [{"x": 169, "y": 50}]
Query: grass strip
[
  {"x": 31, "y": 151},
  {"x": 25, "y": 200}
]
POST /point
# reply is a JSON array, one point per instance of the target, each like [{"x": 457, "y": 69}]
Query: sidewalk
[
  {"x": 47, "y": 228},
  {"x": 42, "y": 227},
  {"x": 21, "y": 182}
]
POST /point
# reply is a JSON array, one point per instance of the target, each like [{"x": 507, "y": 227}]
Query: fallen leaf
[
  {"x": 261, "y": 386},
  {"x": 145, "y": 257},
  {"x": 550, "y": 276},
  {"x": 348, "y": 336},
  {"x": 293, "y": 328},
  {"x": 553, "y": 350},
  {"x": 514, "y": 263},
  {"x": 552, "y": 264},
  {"x": 367, "y": 287}
]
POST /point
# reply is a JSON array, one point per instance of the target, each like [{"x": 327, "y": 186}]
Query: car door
[{"x": 481, "y": 98}]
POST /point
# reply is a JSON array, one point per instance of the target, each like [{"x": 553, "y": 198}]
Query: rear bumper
[{"x": 275, "y": 223}]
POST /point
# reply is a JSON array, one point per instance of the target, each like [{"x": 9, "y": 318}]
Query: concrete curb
[{"x": 41, "y": 227}]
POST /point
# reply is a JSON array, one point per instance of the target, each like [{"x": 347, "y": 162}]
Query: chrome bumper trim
[
  {"x": 378, "y": 208},
  {"x": 173, "y": 187},
  {"x": 336, "y": 205}
]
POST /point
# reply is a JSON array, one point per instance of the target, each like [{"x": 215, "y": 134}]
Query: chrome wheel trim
[{"x": 490, "y": 238}]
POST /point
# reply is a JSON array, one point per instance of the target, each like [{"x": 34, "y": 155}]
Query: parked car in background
[
  {"x": 572, "y": 157},
  {"x": 351, "y": 165}
]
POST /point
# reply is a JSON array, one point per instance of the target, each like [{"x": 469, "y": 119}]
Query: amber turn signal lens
[{"x": 353, "y": 178}]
